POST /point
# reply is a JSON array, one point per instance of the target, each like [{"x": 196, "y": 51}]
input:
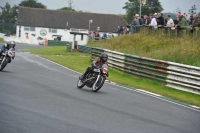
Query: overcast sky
[{"x": 111, "y": 6}]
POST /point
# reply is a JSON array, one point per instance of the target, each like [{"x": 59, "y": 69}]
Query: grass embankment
[
  {"x": 1, "y": 40},
  {"x": 79, "y": 62},
  {"x": 185, "y": 50}
]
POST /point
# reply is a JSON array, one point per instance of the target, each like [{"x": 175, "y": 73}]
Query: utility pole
[{"x": 70, "y": 3}]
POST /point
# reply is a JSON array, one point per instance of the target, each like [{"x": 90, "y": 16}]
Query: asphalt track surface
[{"x": 38, "y": 96}]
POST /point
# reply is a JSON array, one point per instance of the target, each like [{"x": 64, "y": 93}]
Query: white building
[{"x": 35, "y": 23}]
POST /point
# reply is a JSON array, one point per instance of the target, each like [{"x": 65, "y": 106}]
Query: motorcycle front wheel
[
  {"x": 80, "y": 84},
  {"x": 97, "y": 86},
  {"x": 3, "y": 64}
]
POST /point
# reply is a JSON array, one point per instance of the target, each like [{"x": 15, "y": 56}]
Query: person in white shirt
[
  {"x": 153, "y": 20},
  {"x": 170, "y": 21}
]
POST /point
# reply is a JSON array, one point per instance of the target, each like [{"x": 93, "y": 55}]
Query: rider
[
  {"x": 7, "y": 46},
  {"x": 98, "y": 62}
]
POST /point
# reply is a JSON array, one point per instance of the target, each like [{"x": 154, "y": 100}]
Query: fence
[
  {"x": 174, "y": 75},
  {"x": 81, "y": 48},
  {"x": 169, "y": 31},
  {"x": 57, "y": 43}
]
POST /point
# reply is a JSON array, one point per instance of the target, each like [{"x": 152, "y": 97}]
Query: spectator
[
  {"x": 153, "y": 20},
  {"x": 104, "y": 36},
  {"x": 118, "y": 31},
  {"x": 170, "y": 21},
  {"x": 146, "y": 20},
  {"x": 185, "y": 16},
  {"x": 127, "y": 29},
  {"x": 121, "y": 30},
  {"x": 196, "y": 22},
  {"x": 97, "y": 36},
  {"x": 182, "y": 22},
  {"x": 160, "y": 20},
  {"x": 135, "y": 23},
  {"x": 141, "y": 20},
  {"x": 191, "y": 19}
]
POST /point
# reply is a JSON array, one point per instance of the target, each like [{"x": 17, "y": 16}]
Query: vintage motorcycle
[
  {"x": 95, "y": 79},
  {"x": 6, "y": 58}
]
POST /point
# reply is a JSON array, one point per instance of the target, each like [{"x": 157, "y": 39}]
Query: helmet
[
  {"x": 104, "y": 57},
  {"x": 12, "y": 43},
  {"x": 5, "y": 45}
]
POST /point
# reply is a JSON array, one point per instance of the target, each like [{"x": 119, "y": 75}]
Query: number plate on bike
[{"x": 96, "y": 70}]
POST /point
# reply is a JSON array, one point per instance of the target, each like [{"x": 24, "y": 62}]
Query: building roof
[{"x": 58, "y": 19}]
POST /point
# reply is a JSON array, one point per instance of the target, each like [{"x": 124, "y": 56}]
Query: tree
[
  {"x": 133, "y": 7},
  {"x": 32, "y": 4},
  {"x": 8, "y": 19},
  {"x": 177, "y": 10},
  {"x": 67, "y": 9},
  {"x": 193, "y": 10}
]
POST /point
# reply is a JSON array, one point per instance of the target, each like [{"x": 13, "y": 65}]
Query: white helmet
[
  {"x": 13, "y": 43},
  {"x": 5, "y": 44}
]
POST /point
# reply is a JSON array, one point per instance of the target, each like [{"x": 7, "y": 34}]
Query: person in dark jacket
[
  {"x": 146, "y": 20},
  {"x": 160, "y": 20},
  {"x": 98, "y": 62}
]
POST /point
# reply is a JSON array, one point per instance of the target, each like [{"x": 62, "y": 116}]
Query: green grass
[
  {"x": 185, "y": 50},
  {"x": 1, "y": 40},
  {"x": 80, "y": 61}
]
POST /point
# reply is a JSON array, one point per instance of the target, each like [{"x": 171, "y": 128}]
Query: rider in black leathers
[
  {"x": 98, "y": 62},
  {"x": 7, "y": 46}
]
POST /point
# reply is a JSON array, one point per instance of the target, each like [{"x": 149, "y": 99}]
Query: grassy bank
[
  {"x": 80, "y": 61},
  {"x": 2, "y": 40},
  {"x": 185, "y": 50}
]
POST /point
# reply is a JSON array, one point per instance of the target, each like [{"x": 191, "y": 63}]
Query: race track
[{"x": 38, "y": 96}]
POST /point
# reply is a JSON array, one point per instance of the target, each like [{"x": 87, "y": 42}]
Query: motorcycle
[
  {"x": 95, "y": 79},
  {"x": 6, "y": 58}
]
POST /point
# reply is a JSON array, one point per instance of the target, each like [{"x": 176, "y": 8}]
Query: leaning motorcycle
[
  {"x": 6, "y": 58},
  {"x": 95, "y": 79}
]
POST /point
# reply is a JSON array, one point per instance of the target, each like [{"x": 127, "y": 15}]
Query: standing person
[
  {"x": 182, "y": 22},
  {"x": 196, "y": 22},
  {"x": 170, "y": 21},
  {"x": 146, "y": 20},
  {"x": 121, "y": 30},
  {"x": 135, "y": 23},
  {"x": 153, "y": 21},
  {"x": 118, "y": 30},
  {"x": 160, "y": 20},
  {"x": 191, "y": 19}
]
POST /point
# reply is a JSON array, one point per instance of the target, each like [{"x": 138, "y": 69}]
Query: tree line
[{"x": 9, "y": 14}]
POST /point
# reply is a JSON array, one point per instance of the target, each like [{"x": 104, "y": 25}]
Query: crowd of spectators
[
  {"x": 94, "y": 35},
  {"x": 157, "y": 20},
  {"x": 153, "y": 21}
]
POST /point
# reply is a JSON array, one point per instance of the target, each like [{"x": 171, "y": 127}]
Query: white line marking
[
  {"x": 139, "y": 90},
  {"x": 112, "y": 83}
]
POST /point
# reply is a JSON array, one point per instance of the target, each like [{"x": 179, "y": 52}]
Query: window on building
[
  {"x": 29, "y": 28},
  {"x": 32, "y": 28},
  {"x": 26, "y": 28},
  {"x": 52, "y": 30}
]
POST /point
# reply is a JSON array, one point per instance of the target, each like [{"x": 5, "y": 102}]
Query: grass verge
[
  {"x": 185, "y": 50},
  {"x": 1, "y": 40},
  {"x": 80, "y": 61}
]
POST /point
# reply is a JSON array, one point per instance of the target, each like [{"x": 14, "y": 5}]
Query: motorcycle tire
[
  {"x": 97, "y": 88},
  {"x": 4, "y": 64},
  {"x": 80, "y": 84}
]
